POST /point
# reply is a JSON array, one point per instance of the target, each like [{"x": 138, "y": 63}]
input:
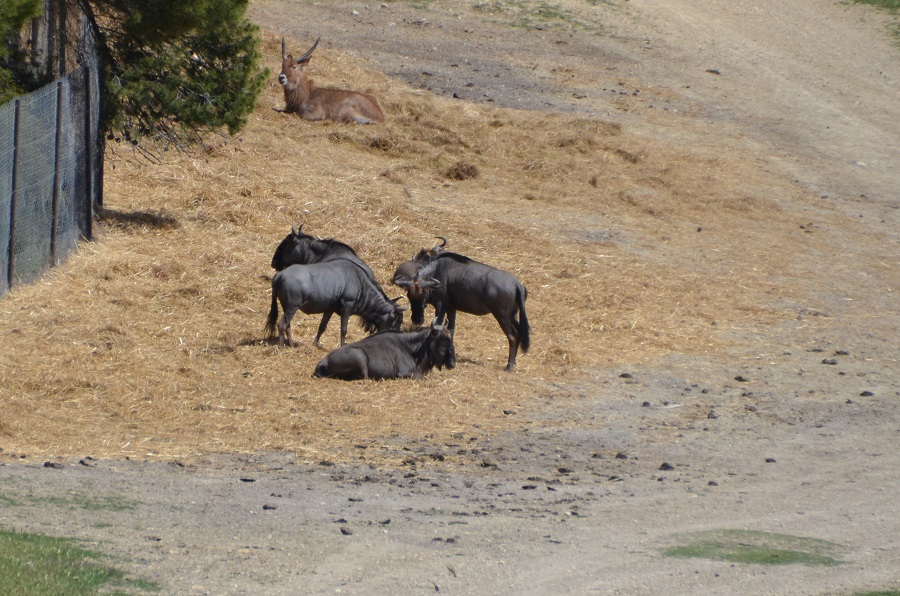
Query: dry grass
[{"x": 149, "y": 341}]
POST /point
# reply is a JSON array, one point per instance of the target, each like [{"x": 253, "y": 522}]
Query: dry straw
[{"x": 149, "y": 342}]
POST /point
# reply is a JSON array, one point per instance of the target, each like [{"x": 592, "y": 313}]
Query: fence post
[
  {"x": 11, "y": 268},
  {"x": 57, "y": 147},
  {"x": 89, "y": 156}
]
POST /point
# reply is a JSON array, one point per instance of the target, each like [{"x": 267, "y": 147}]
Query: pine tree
[
  {"x": 13, "y": 15},
  {"x": 176, "y": 69}
]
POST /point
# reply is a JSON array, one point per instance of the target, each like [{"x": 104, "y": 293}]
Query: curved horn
[
  {"x": 442, "y": 244},
  {"x": 283, "y": 49},
  {"x": 308, "y": 52},
  {"x": 297, "y": 232}
]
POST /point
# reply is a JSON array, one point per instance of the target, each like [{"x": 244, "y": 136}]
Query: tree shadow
[{"x": 137, "y": 219}]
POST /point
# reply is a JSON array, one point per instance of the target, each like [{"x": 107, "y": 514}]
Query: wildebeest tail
[
  {"x": 524, "y": 327},
  {"x": 273, "y": 314}
]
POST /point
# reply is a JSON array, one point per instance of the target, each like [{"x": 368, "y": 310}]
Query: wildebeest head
[
  {"x": 440, "y": 346},
  {"x": 416, "y": 292},
  {"x": 407, "y": 277},
  {"x": 292, "y": 249},
  {"x": 385, "y": 320}
]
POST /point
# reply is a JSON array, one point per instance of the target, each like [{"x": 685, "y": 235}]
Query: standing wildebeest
[
  {"x": 301, "y": 96},
  {"x": 338, "y": 286},
  {"x": 391, "y": 355},
  {"x": 298, "y": 248},
  {"x": 452, "y": 282}
]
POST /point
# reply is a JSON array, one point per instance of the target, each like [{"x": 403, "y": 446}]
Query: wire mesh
[{"x": 51, "y": 159}]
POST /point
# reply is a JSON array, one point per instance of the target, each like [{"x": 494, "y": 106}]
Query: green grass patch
[
  {"x": 38, "y": 565},
  {"x": 72, "y": 500},
  {"x": 756, "y": 548},
  {"x": 891, "y": 5}
]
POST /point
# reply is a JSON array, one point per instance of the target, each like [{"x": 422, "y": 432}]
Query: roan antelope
[{"x": 301, "y": 96}]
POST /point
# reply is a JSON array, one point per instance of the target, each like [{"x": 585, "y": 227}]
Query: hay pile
[{"x": 149, "y": 342}]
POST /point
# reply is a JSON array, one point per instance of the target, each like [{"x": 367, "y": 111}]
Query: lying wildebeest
[
  {"x": 452, "y": 282},
  {"x": 392, "y": 355},
  {"x": 298, "y": 248},
  {"x": 339, "y": 286},
  {"x": 409, "y": 269},
  {"x": 301, "y": 96}
]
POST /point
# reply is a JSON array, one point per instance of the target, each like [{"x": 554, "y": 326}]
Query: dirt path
[{"x": 789, "y": 433}]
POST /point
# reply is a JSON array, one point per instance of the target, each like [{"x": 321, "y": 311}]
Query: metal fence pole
[
  {"x": 56, "y": 160},
  {"x": 11, "y": 268},
  {"x": 89, "y": 156}
]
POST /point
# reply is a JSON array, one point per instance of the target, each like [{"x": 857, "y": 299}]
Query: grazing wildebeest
[
  {"x": 298, "y": 248},
  {"x": 302, "y": 97},
  {"x": 339, "y": 286},
  {"x": 452, "y": 282},
  {"x": 392, "y": 355}
]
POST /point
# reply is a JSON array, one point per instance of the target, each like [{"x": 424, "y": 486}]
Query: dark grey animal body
[
  {"x": 338, "y": 286},
  {"x": 298, "y": 248},
  {"x": 452, "y": 282},
  {"x": 391, "y": 355}
]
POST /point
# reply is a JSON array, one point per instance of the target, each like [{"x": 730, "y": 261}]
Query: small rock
[
  {"x": 830, "y": 361},
  {"x": 770, "y": 460},
  {"x": 866, "y": 394},
  {"x": 712, "y": 483},
  {"x": 269, "y": 507},
  {"x": 741, "y": 379},
  {"x": 346, "y": 531},
  {"x": 52, "y": 464},
  {"x": 712, "y": 415},
  {"x": 666, "y": 467}
]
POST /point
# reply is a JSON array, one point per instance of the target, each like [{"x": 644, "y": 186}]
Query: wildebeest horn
[
  {"x": 308, "y": 52},
  {"x": 442, "y": 244},
  {"x": 283, "y": 49},
  {"x": 429, "y": 283},
  {"x": 436, "y": 324},
  {"x": 403, "y": 282},
  {"x": 297, "y": 232}
]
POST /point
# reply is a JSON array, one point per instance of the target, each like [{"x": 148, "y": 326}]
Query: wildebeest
[
  {"x": 409, "y": 269},
  {"x": 392, "y": 355},
  {"x": 302, "y": 97},
  {"x": 339, "y": 286},
  {"x": 452, "y": 282},
  {"x": 302, "y": 249}
]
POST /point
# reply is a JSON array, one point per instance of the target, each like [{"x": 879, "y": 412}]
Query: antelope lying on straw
[{"x": 301, "y": 96}]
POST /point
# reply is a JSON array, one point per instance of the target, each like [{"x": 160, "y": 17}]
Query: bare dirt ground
[{"x": 790, "y": 430}]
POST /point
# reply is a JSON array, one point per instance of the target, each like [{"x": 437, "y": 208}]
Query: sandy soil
[{"x": 792, "y": 431}]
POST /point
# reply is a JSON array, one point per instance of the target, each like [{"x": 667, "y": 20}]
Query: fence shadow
[{"x": 137, "y": 219}]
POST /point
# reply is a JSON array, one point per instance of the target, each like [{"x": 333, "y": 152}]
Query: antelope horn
[
  {"x": 442, "y": 244},
  {"x": 283, "y": 49},
  {"x": 297, "y": 232},
  {"x": 308, "y": 52}
]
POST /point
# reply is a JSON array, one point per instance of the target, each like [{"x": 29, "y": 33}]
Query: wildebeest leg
[
  {"x": 325, "y": 318},
  {"x": 510, "y": 329},
  {"x": 284, "y": 328},
  {"x": 451, "y": 320},
  {"x": 345, "y": 318}
]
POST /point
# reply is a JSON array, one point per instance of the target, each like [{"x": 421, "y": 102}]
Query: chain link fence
[{"x": 51, "y": 171}]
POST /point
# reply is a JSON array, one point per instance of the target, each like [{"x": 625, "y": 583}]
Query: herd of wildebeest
[{"x": 325, "y": 276}]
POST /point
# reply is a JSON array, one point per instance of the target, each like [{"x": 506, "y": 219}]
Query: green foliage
[
  {"x": 892, "y": 5},
  {"x": 13, "y": 15},
  {"x": 177, "y": 69}
]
